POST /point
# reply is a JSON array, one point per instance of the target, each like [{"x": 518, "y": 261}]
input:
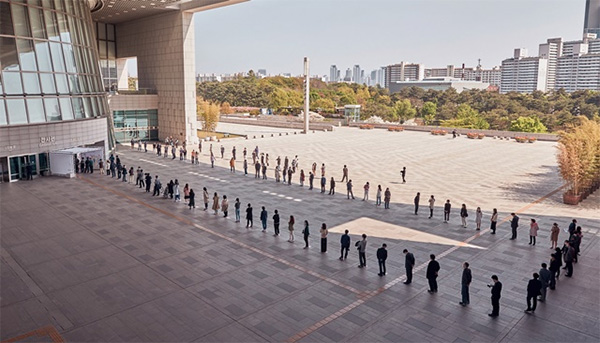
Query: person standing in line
[
  {"x": 277, "y": 173},
  {"x": 545, "y": 279},
  {"x": 306, "y": 234},
  {"x": 387, "y": 196},
  {"x": 290, "y": 176},
  {"x": 276, "y": 223},
  {"x": 257, "y": 170},
  {"x": 285, "y": 171},
  {"x": 131, "y": 172},
  {"x": 192, "y": 202},
  {"x": 264, "y": 171},
  {"x": 572, "y": 227},
  {"x": 534, "y": 289},
  {"x": 345, "y": 245},
  {"x": 569, "y": 253},
  {"x": 311, "y": 179},
  {"x": 366, "y": 189},
  {"x": 225, "y": 206},
  {"x": 349, "y": 189},
  {"x": 381, "y": 257},
  {"x": 409, "y": 264},
  {"x": 344, "y": 174},
  {"x": 237, "y": 206},
  {"x": 101, "y": 166},
  {"x": 378, "y": 196},
  {"x": 233, "y": 152},
  {"x": 533, "y": 230},
  {"x": 142, "y": 183},
  {"x": 323, "y": 170},
  {"x": 494, "y": 221},
  {"x": 323, "y": 183},
  {"x": 496, "y": 295},
  {"x": 432, "y": 273},
  {"x": 263, "y": 219},
  {"x": 291, "y": 229},
  {"x": 416, "y": 201},
  {"x": 302, "y": 176},
  {"x": 314, "y": 168},
  {"x": 478, "y": 217},
  {"x": 447, "y": 208},
  {"x": 245, "y": 152},
  {"x": 331, "y": 186},
  {"x": 232, "y": 165},
  {"x": 463, "y": 215},
  {"x": 245, "y": 167},
  {"x": 148, "y": 182},
  {"x": 222, "y": 151},
  {"x": 514, "y": 224},
  {"x": 558, "y": 255},
  {"x": 205, "y": 197},
  {"x": 157, "y": 186},
  {"x": 431, "y": 205},
  {"x": 403, "y": 173},
  {"x": 212, "y": 160},
  {"x": 465, "y": 282},
  {"x": 554, "y": 270},
  {"x": 249, "y": 216},
  {"x": 554, "y": 232},
  {"x": 216, "y": 206},
  {"x": 324, "y": 233},
  {"x": 124, "y": 179},
  {"x": 176, "y": 191},
  {"x": 362, "y": 251}
]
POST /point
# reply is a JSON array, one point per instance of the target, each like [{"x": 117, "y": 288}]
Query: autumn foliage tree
[{"x": 208, "y": 114}]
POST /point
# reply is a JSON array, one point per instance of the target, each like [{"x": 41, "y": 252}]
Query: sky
[{"x": 277, "y": 34}]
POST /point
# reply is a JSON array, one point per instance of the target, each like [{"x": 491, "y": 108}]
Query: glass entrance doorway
[{"x": 22, "y": 167}]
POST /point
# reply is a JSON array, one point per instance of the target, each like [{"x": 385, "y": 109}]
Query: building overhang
[{"x": 118, "y": 11}]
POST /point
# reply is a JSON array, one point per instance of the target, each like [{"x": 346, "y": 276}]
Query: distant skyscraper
[
  {"x": 348, "y": 76},
  {"x": 592, "y": 17},
  {"x": 262, "y": 72},
  {"x": 356, "y": 74},
  {"x": 333, "y": 73},
  {"x": 403, "y": 72}
]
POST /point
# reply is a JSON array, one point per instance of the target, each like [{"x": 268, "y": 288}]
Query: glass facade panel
[
  {"x": 65, "y": 35},
  {"x": 51, "y": 26},
  {"x": 37, "y": 23},
  {"x": 110, "y": 32},
  {"x": 88, "y": 107},
  {"x": 12, "y": 83},
  {"x": 48, "y": 4},
  {"x": 69, "y": 58},
  {"x": 95, "y": 107},
  {"x": 26, "y": 55},
  {"x": 20, "y": 20},
  {"x": 8, "y": 54},
  {"x": 43, "y": 56},
  {"x": 78, "y": 108},
  {"x": 3, "y": 120},
  {"x": 31, "y": 83},
  {"x": 140, "y": 124},
  {"x": 74, "y": 84},
  {"x": 6, "y": 24},
  {"x": 62, "y": 86},
  {"x": 16, "y": 111},
  {"x": 57, "y": 57},
  {"x": 52, "y": 109},
  {"x": 66, "y": 109},
  {"x": 112, "y": 51},
  {"x": 47, "y": 81},
  {"x": 35, "y": 108}
]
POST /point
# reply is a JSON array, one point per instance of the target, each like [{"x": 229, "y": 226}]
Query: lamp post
[{"x": 306, "y": 93}]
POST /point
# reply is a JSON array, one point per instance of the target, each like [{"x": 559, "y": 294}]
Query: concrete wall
[
  {"x": 37, "y": 138},
  {"x": 276, "y": 123},
  {"x": 133, "y": 102},
  {"x": 164, "y": 47}
]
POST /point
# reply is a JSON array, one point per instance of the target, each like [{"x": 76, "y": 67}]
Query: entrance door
[{"x": 19, "y": 166}]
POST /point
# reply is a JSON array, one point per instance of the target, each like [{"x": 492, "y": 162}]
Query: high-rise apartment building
[
  {"x": 551, "y": 50},
  {"x": 59, "y": 59},
  {"x": 404, "y": 72},
  {"x": 592, "y": 17},
  {"x": 579, "y": 66},
  {"x": 523, "y": 74},
  {"x": 348, "y": 76},
  {"x": 334, "y": 73},
  {"x": 357, "y": 74}
]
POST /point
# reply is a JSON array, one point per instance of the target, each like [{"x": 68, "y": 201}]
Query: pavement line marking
[
  {"x": 227, "y": 238},
  {"x": 363, "y": 297},
  {"x": 158, "y": 164},
  {"x": 49, "y": 331}
]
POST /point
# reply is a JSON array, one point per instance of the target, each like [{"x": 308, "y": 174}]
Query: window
[
  {"x": 62, "y": 86},
  {"x": 31, "y": 84},
  {"x": 78, "y": 108},
  {"x": 57, "y": 57},
  {"x": 8, "y": 54},
  {"x": 2, "y": 113},
  {"x": 43, "y": 56},
  {"x": 69, "y": 58},
  {"x": 26, "y": 54},
  {"x": 51, "y": 26},
  {"x": 66, "y": 109},
  {"x": 65, "y": 35},
  {"x": 47, "y": 81},
  {"x": 20, "y": 20},
  {"x": 6, "y": 24},
  {"x": 52, "y": 109},
  {"x": 16, "y": 111},
  {"x": 74, "y": 84},
  {"x": 35, "y": 110},
  {"x": 37, "y": 23},
  {"x": 12, "y": 83}
]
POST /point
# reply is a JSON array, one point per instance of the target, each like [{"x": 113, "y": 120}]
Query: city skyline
[{"x": 237, "y": 46}]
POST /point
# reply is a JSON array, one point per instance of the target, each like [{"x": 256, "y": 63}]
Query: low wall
[
  {"x": 276, "y": 123},
  {"x": 489, "y": 133}
]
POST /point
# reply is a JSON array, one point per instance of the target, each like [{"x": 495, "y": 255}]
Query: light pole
[{"x": 306, "y": 93}]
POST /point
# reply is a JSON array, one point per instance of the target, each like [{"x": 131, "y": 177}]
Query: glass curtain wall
[
  {"x": 137, "y": 125},
  {"x": 48, "y": 62},
  {"x": 107, "y": 52}
]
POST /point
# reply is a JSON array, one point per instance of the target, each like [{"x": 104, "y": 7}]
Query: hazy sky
[{"x": 277, "y": 34}]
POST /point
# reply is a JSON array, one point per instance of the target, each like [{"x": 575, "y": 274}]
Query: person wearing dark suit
[
  {"x": 496, "y": 294},
  {"x": 409, "y": 263},
  {"x": 447, "y": 208},
  {"x": 276, "y": 222},
  {"x": 534, "y": 288},
  {"x": 545, "y": 279},
  {"x": 569, "y": 253},
  {"x": 465, "y": 282},
  {"x": 514, "y": 224},
  {"x": 381, "y": 257},
  {"x": 432, "y": 273},
  {"x": 345, "y": 242}
]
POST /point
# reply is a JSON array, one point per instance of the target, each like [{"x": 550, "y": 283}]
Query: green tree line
[{"x": 478, "y": 109}]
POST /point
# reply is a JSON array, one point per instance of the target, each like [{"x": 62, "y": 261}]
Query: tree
[
  {"x": 468, "y": 118},
  {"x": 208, "y": 113},
  {"x": 226, "y": 108},
  {"x": 428, "y": 112},
  {"x": 132, "y": 83},
  {"x": 528, "y": 124},
  {"x": 404, "y": 110}
]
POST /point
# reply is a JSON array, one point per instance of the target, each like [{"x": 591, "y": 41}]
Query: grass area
[{"x": 219, "y": 135}]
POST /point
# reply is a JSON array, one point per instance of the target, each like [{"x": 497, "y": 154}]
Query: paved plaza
[{"x": 99, "y": 260}]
